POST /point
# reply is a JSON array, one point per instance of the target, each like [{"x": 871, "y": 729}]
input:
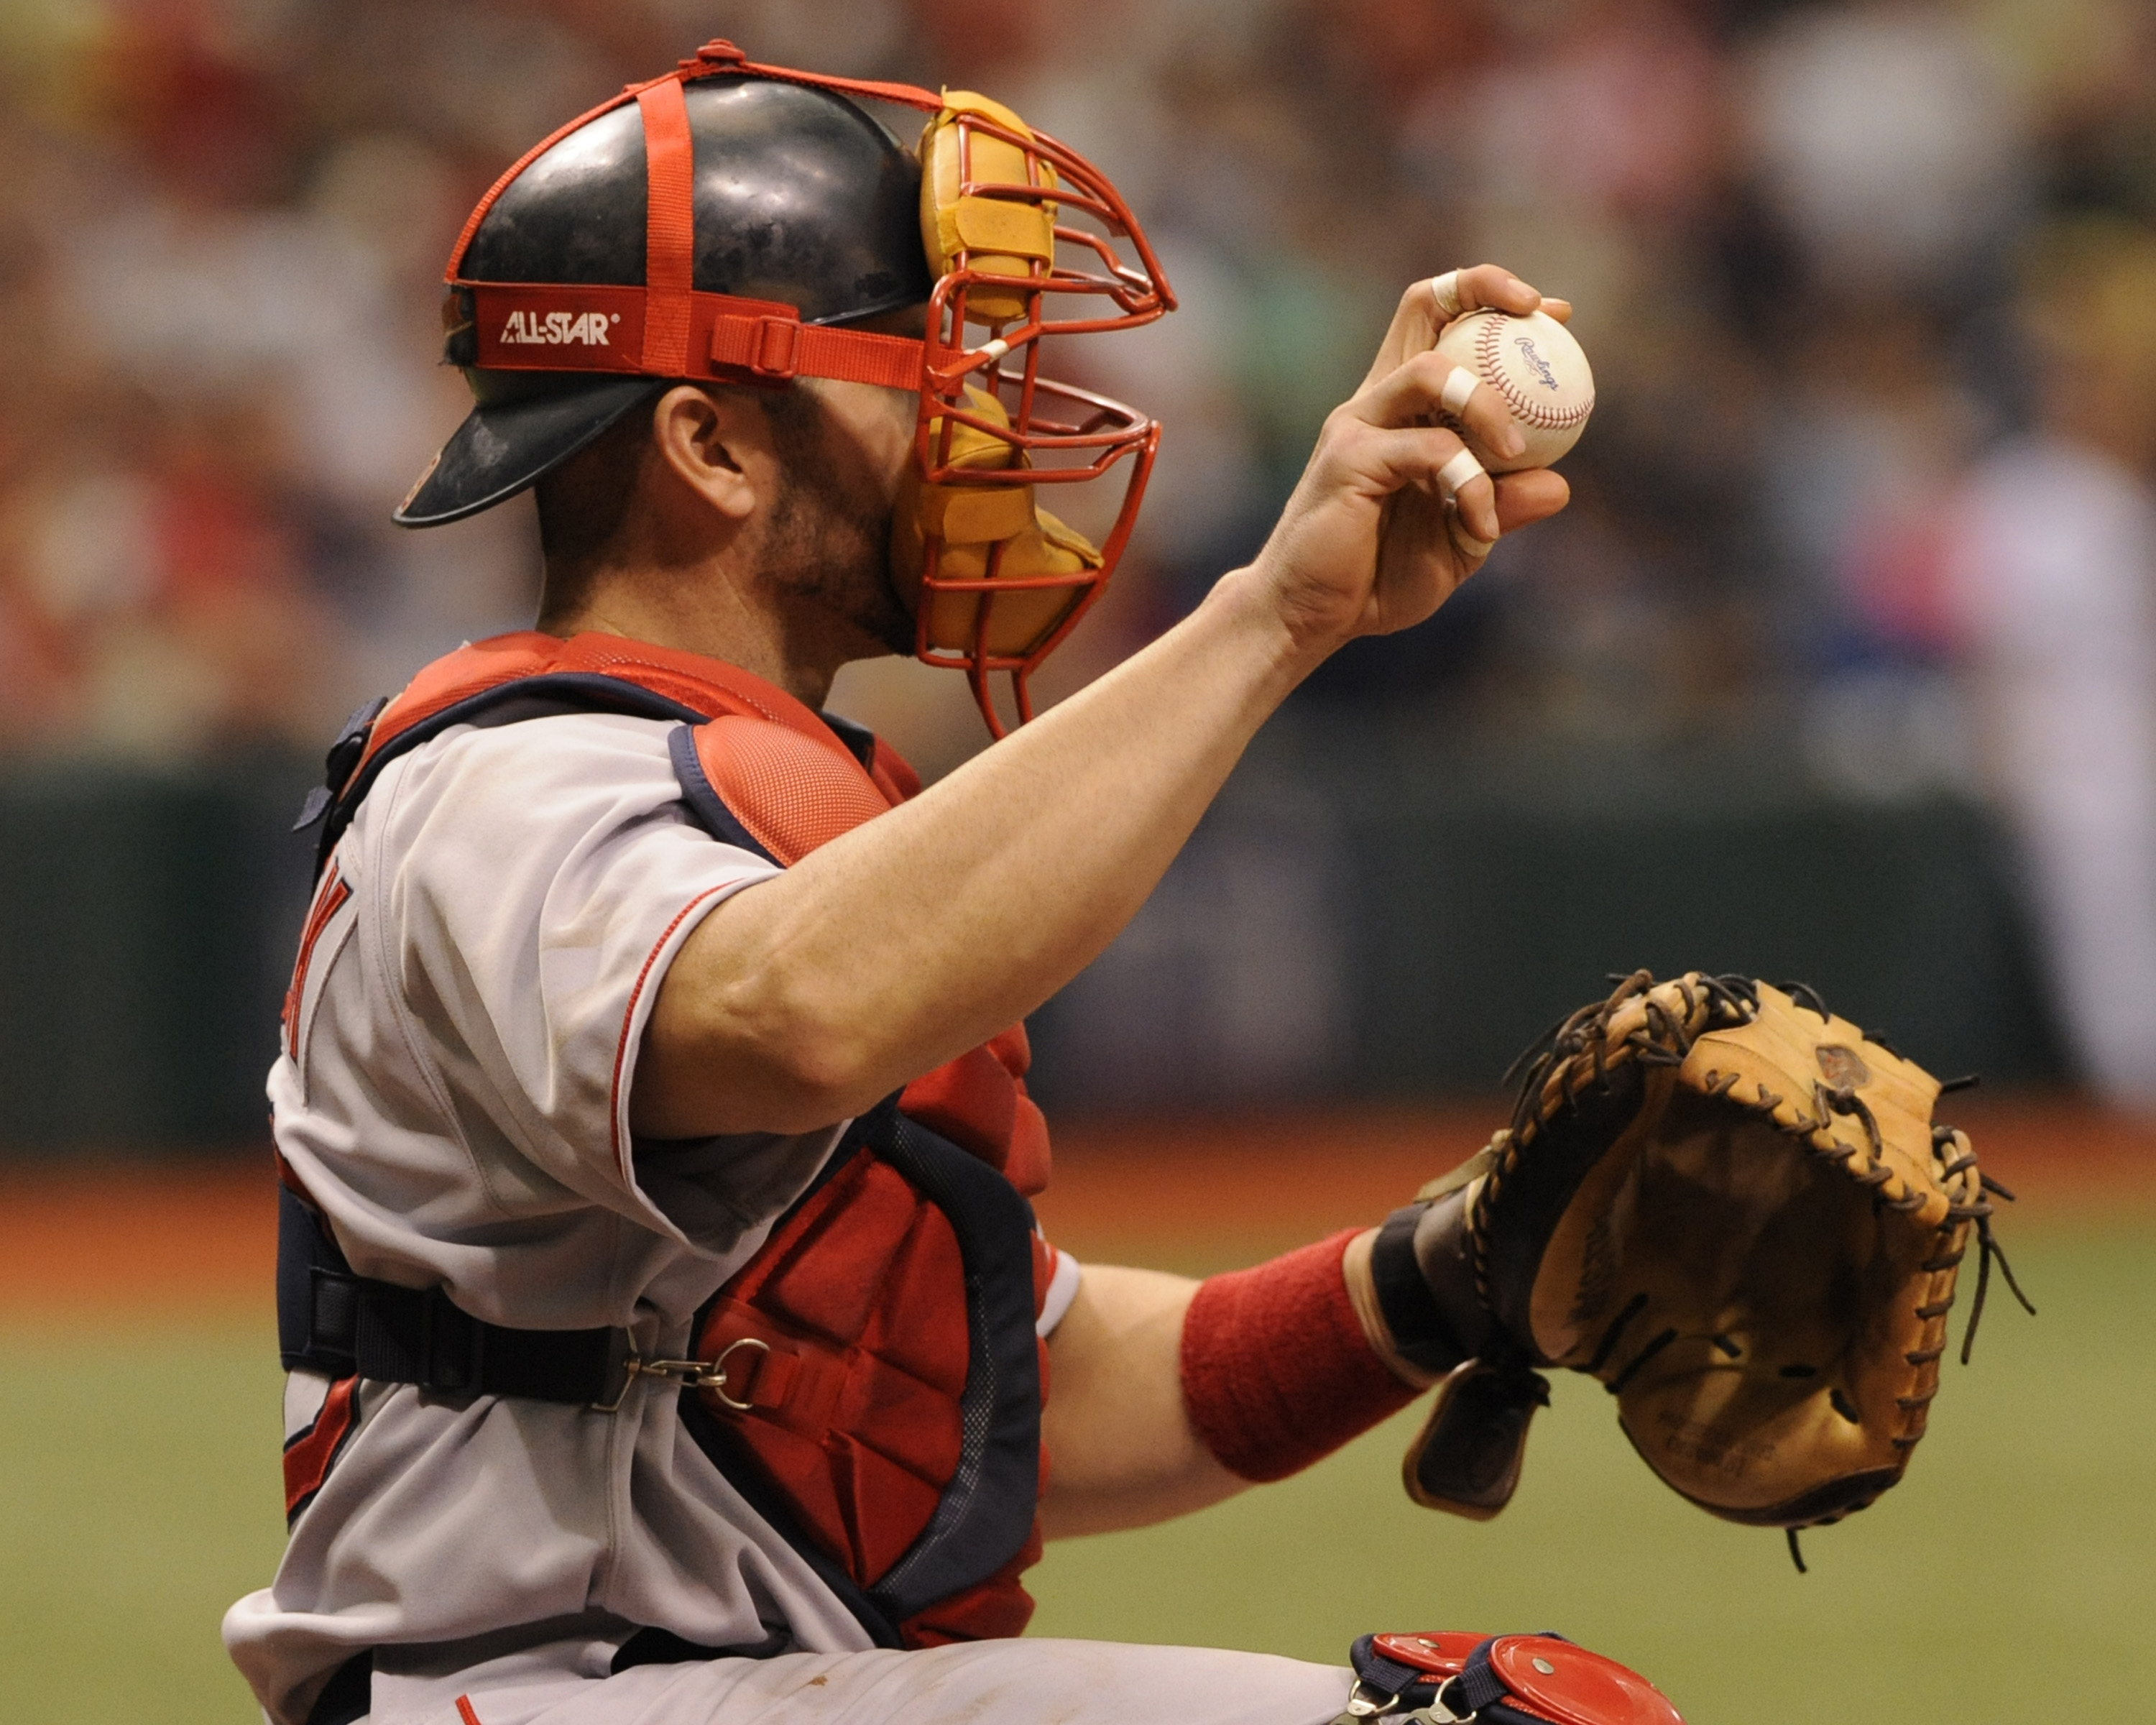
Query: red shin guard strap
[{"x": 1276, "y": 1369}]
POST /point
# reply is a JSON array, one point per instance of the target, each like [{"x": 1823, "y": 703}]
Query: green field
[{"x": 138, "y": 1494}]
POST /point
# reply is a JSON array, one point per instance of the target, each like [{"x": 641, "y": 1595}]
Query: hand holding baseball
[
  {"x": 1396, "y": 508},
  {"x": 1535, "y": 368}
]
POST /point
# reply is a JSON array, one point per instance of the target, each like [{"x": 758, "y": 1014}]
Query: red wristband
[{"x": 1276, "y": 1369}]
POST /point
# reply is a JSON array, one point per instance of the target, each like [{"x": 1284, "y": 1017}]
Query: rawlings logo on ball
[{"x": 1536, "y": 362}]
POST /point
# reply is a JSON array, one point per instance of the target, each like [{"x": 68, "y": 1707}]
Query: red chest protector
[{"x": 884, "y": 1382}]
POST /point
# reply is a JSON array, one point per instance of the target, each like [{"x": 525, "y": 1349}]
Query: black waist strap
[
  {"x": 339, "y": 1324},
  {"x": 349, "y": 1695}
]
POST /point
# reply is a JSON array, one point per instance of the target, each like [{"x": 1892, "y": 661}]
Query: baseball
[{"x": 1538, "y": 369}]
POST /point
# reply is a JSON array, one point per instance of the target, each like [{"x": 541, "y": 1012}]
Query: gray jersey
[{"x": 453, "y": 1094}]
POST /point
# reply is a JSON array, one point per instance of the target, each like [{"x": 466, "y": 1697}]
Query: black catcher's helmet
[
  {"x": 729, "y": 222},
  {"x": 800, "y": 195}
]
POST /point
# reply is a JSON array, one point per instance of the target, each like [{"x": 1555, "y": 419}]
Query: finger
[
  {"x": 1561, "y": 309},
  {"x": 1390, "y": 459},
  {"x": 1491, "y": 286},
  {"x": 1460, "y": 470},
  {"x": 1428, "y": 305},
  {"x": 1413, "y": 329},
  {"x": 1530, "y": 495},
  {"x": 1524, "y": 498},
  {"x": 1478, "y": 407},
  {"x": 1428, "y": 385},
  {"x": 1465, "y": 543},
  {"x": 1432, "y": 460},
  {"x": 1473, "y": 536},
  {"x": 1462, "y": 483}
]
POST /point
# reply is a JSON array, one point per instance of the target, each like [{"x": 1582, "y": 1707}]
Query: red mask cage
[
  {"x": 1056, "y": 434},
  {"x": 1003, "y": 599}
]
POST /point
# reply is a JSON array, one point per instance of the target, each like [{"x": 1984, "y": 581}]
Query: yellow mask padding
[
  {"x": 1002, "y": 236},
  {"x": 972, "y": 521}
]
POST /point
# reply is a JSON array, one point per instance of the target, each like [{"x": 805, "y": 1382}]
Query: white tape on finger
[
  {"x": 1458, "y": 388},
  {"x": 1445, "y": 290},
  {"x": 1470, "y": 547},
  {"x": 1457, "y": 473}
]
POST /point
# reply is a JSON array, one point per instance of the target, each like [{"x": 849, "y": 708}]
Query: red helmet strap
[
  {"x": 652, "y": 329},
  {"x": 669, "y": 255},
  {"x": 716, "y": 59}
]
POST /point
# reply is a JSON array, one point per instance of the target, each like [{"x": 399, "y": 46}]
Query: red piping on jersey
[
  {"x": 328, "y": 901},
  {"x": 465, "y": 1710},
  {"x": 621, "y": 1149},
  {"x": 307, "y": 1461}
]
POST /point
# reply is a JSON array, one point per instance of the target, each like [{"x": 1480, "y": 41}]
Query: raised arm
[{"x": 876, "y": 958}]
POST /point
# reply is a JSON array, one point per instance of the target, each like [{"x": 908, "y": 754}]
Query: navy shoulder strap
[
  {"x": 339, "y": 796},
  {"x": 336, "y": 800}
]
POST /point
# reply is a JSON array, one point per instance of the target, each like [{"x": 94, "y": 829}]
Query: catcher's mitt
[{"x": 1731, "y": 1207}]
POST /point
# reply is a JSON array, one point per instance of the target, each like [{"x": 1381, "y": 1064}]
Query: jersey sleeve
[
  {"x": 1056, "y": 1276},
  {"x": 538, "y": 879}
]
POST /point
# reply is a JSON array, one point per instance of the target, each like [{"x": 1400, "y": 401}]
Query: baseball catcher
[{"x": 668, "y": 1335}]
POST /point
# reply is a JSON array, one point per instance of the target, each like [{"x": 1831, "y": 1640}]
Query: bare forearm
[
  {"x": 921, "y": 934},
  {"x": 1121, "y": 1450}
]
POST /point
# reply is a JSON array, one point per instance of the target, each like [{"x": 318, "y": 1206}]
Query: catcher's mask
[{"x": 727, "y": 222}]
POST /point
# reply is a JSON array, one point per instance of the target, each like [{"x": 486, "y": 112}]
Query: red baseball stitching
[{"x": 1489, "y": 360}]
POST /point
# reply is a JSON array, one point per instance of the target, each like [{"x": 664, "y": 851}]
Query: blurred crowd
[{"x": 1870, "y": 288}]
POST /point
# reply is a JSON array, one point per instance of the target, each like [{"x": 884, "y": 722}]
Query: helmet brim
[{"x": 507, "y": 444}]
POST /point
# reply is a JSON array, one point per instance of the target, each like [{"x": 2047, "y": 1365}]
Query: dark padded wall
[{"x": 146, "y": 921}]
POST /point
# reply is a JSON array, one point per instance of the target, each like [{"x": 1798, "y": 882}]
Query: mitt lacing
[
  {"x": 1804, "y": 994},
  {"x": 1666, "y": 1039},
  {"x": 1831, "y": 1100},
  {"x": 1978, "y": 1210}
]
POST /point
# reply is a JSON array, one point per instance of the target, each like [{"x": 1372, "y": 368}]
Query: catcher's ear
[{"x": 1466, "y": 1458}]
